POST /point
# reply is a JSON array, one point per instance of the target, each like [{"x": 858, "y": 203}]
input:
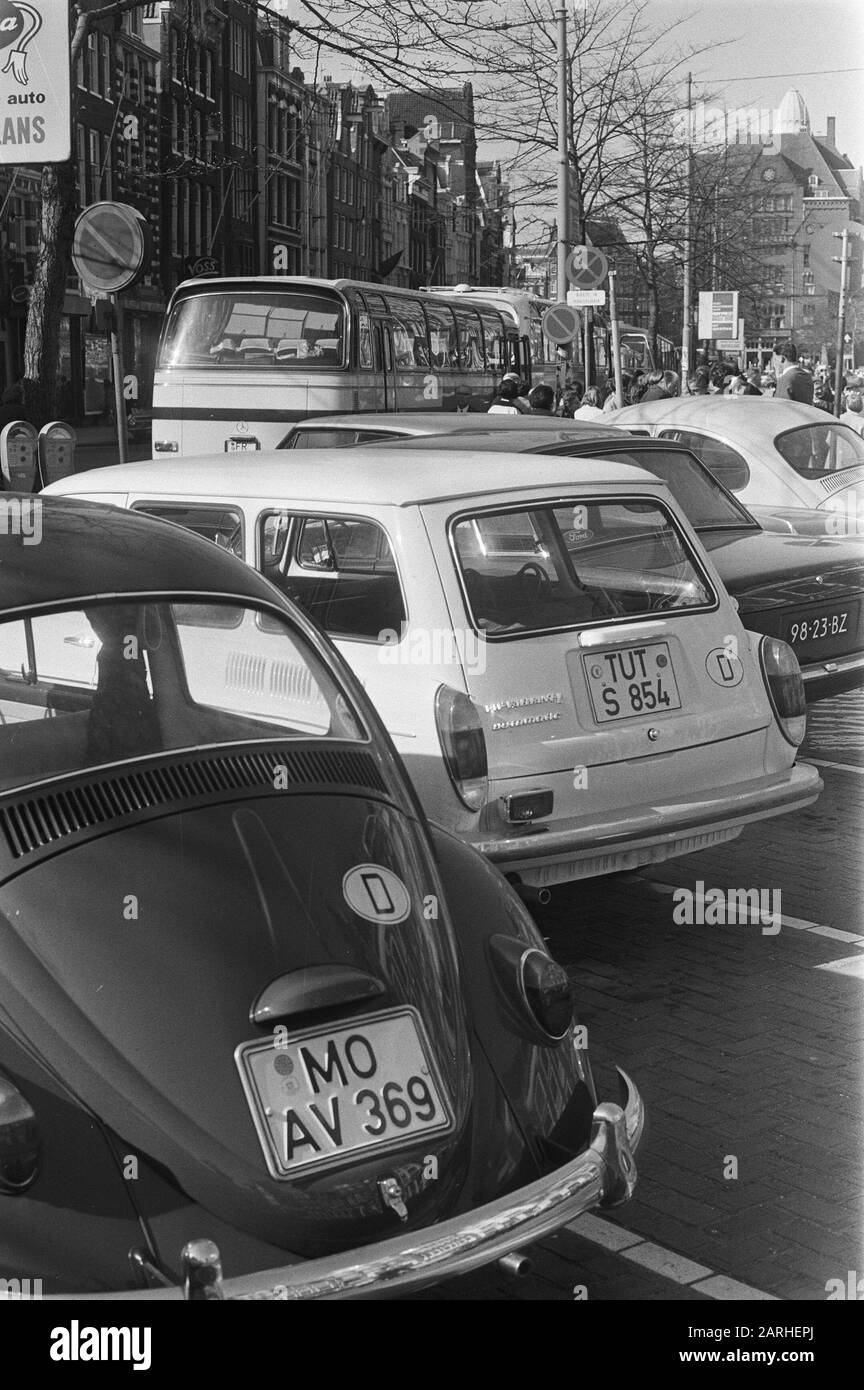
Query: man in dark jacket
[{"x": 793, "y": 383}]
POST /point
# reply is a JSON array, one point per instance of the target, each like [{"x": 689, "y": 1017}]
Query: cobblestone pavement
[{"x": 747, "y": 1051}]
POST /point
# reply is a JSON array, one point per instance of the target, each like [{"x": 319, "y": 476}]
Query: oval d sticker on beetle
[{"x": 376, "y": 893}]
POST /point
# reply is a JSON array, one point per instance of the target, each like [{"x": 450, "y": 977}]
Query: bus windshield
[{"x": 254, "y": 328}]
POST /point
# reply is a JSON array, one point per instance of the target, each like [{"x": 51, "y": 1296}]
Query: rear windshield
[
  {"x": 574, "y": 564},
  {"x": 246, "y": 328},
  {"x": 814, "y": 450},
  {"x": 107, "y": 683},
  {"x": 702, "y": 499}
]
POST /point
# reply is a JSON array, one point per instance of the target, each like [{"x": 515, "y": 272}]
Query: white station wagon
[{"x": 551, "y": 649}]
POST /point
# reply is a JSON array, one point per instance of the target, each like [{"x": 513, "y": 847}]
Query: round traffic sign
[
  {"x": 111, "y": 246},
  {"x": 586, "y": 267},
  {"x": 560, "y": 323}
]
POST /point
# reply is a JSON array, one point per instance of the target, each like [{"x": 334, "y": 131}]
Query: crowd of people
[{"x": 785, "y": 378}]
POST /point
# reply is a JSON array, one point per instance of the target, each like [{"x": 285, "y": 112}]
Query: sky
[{"x": 752, "y": 39}]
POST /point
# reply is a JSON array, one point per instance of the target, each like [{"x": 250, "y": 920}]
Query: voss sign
[{"x": 35, "y": 89}]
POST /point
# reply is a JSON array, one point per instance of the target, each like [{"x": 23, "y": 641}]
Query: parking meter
[
  {"x": 18, "y": 454},
  {"x": 56, "y": 451}
]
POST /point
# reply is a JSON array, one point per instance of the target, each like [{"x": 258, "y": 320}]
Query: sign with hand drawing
[{"x": 35, "y": 87}]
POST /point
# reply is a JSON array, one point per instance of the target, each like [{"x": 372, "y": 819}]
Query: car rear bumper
[
  {"x": 603, "y": 1175},
  {"x": 726, "y": 809},
  {"x": 825, "y": 678}
]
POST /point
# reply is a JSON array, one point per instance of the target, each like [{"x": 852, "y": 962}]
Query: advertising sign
[
  {"x": 35, "y": 89},
  {"x": 718, "y": 313}
]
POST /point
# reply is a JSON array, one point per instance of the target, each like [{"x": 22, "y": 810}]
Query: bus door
[{"x": 382, "y": 338}]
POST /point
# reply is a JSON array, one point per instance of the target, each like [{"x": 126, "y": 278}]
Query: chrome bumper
[
  {"x": 604, "y": 1175},
  {"x": 642, "y": 826}
]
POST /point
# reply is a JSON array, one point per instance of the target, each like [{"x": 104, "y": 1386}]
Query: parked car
[
  {"x": 532, "y": 644},
  {"x": 343, "y": 431},
  {"x": 787, "y": 459},
  {"x": 247, "y": 992},
  {"x": 809, "y": 592}
]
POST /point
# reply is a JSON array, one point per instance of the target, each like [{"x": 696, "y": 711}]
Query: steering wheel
[{"x": 543, "y": 581}]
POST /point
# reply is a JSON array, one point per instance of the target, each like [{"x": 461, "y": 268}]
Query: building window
[
  {"x": 241, "y": 50},
  {"x": 241, "y": 122}
]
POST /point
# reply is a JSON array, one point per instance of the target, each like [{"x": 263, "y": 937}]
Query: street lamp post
[
  {"x": 563, "y": 166},
  {"x": 841, "y": 318}
]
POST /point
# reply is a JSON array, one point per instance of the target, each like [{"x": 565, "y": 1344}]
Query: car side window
[
  {"x": 340, "y": 570},
  {"x": 725, "y": 462},
  {"x": 319, "y": 439}
]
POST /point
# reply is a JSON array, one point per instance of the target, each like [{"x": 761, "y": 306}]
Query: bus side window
[{"x": 365, "y": 359}]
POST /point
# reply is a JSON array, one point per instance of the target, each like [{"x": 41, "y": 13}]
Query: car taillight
[
  {"x": 548, "y": 993},
  {"x": 535, "y": 985},
  {"x": 785, "y": 686},
  {"x": 463, "y": 745},
  {"x": 19, "y": 1140}
]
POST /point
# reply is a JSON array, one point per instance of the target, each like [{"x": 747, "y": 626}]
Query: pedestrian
[
  {"x": 672, "y": 382},
  {"x": 768, "y": 384},
  {"x": 748, "y": 384},
  {"x": 698, "y": 381},
  {"x": 590, "y": 408},
  {"x": 793, "y": 383},
  {"x": 853, "y": 415},
  {"x": 506, "y": 401},
  {"x": 570, "y": 402},
  {"x": 655, "y": 388},
  {"x": 521, "y": 398},
  {"x": 638, "y": 384},
  {"x": 541, "y": 399},
  {"x": 610, "y": 398}
]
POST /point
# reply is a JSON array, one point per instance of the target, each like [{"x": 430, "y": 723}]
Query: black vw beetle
[{"x": 255, "y": 1012}]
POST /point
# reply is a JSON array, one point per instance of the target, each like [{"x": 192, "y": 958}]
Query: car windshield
[
  {"x": 106, "y": 683},
  {"x": 705, "y": 502},
  {"x": 814, "y": 450},
  {"x": 289, "y": 329},
  {"x": 550, "y": 567}
]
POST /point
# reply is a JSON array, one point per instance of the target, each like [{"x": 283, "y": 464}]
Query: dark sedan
[
  {"x": 344, "y": 431},
  {"x": 806, "y": 590}
]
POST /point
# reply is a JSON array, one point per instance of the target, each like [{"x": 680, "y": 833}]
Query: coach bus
[{"x": 241, "y": 358}]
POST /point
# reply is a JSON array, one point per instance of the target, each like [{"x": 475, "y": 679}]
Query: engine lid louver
[{"x": 31, "y": 822}]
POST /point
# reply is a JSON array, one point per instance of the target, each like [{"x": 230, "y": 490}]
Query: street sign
[
  {"x": 718, "y": 313},
  {"x": 732, "y": 344},
  {"x": 586, "y": 267},
  {"x": 34, "y": 74},
  {"x": 560, "y": 323},
  {"x": 111, "y": 246},
  {"x": 199, "y": 267},
  {"x": 578, "y": 299}
]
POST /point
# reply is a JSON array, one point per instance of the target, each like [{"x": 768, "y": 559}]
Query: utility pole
[
  {"x": 563, "y": 156},
  {"x": 841, "y": 317},
  {"x": 687, "y": 307}
]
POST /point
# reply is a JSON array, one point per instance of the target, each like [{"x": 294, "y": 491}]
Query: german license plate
[
  {"x": 325, "y": 1094},
  {"x": 630, "y": 682},
  {"x": 830, "y": 629},
  {"x": 240, "y": 443}
]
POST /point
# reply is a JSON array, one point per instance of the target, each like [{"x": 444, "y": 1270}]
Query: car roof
[
  {"x": 85, "y": 548},
  {"x": 526, "y": 440},
  {"x": 446, "y": 422},
  {"x": 744, "y": 414},
  {"x": 373, "y": 474}
]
